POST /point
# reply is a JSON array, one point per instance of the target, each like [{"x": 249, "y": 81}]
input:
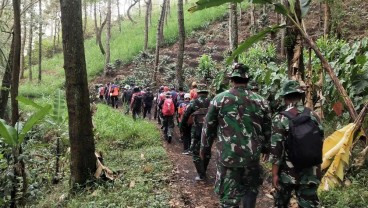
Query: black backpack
[
  {"x": 305, "y": 139},
  {"x": 137, "y": 102}
]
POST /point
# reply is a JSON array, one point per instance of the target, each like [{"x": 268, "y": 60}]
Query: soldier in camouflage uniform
[
  {"x": 240, "y": 120},
  {"x": 286, "y": 178},
  {"x": 198, "y": 109}
]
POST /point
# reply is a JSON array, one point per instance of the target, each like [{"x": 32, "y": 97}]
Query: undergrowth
[{"x": 133, "y": 150}]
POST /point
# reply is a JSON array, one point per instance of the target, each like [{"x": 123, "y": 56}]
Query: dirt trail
[{"x": 186, "y": 192}]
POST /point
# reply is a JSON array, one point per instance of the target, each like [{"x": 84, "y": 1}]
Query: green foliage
[
  {"x": 14, "y": 136},
  {"x": 206, "y": 68},
  {"x": 350, "y": 63}
]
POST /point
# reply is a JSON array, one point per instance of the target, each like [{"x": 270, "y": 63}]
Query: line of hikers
[{"x": 239, "y": 121}]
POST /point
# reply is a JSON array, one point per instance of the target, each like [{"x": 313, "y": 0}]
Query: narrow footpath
[{"x": 188, "y": 193}]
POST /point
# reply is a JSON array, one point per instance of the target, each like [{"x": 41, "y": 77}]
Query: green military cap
[
  {"x": 240, "y": 70},
  {"x": 253, "y": 85},
  {"x": 291, "y": 86},
  {"x": 202, "y": 88}
]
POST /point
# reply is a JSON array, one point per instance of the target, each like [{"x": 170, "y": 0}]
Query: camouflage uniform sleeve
[
  {"x": 266, "y": 128},
  {"x": 209, "y": 130},
  {"x": 278, "y": 140}
]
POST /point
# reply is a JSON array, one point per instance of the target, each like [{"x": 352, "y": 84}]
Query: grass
[
  {"x": 134, "y": 150},
  {"x": 124, "y": 46}
]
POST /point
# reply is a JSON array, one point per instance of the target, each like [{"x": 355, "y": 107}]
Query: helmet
[
  {"x": 240, "y": 70},
  {"x": 201, "y": 88},
  {"x": 291, "y": 86},
  {"x": 194, "y": 84},
  {"x": 186, "y": 95},
  {"x": 253, "y": 85}
]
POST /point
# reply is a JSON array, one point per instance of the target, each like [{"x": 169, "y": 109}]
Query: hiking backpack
[
  {"x": 305, "y": 139},
  {"x": 137, "y": 103},
  {"x": 200, "y": 113},
  {"x": 168, "y": 107}
]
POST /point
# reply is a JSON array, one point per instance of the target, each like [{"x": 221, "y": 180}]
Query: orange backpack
[{"x": 168, "y": 107}]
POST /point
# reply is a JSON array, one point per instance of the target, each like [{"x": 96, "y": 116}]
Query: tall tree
[
  {"x": 30, "y": 41},
  {"x": 119, "y": 17},
  {"x": 327, "y": 18},
  {"x": 85, "y": 17},
  {"x": 181, "y": 34},
  {"x": 24, "y": 37},
  {"x": 108, "y": 32},
  {"x": 128, "y": 12},
  {"x": 233, "y": 28},
  {"x": 40, "y": 41},
  {"x": 146, "y": 22},
  {"x": 95, "y": 18},
  {"x": 6, "y": 83},
  {"x": 83, "y": 160},
  {"x": 158, "y": 40}
]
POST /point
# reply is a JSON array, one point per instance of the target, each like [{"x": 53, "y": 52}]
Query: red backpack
[{"x": 168, "y": 108}]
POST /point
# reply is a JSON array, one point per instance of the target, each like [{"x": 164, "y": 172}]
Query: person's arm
[
  {"x": 190, "y": 109},
  {"x": 209, "y": 130}
]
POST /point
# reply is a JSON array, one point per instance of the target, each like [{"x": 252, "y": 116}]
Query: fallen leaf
[{"x": 131, "y": 184}]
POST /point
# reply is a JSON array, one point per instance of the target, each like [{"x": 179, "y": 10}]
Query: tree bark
[
  {"x": 233, "y": 26},
  {"x": 6, "y": 83},
  {"x": 146, "y": 22},
  {"x": 108, "y": 32},
  {"x": 252, "y": 19},
  {"x": 83, "y": 160},
  {"x": 327, "y": 15},
  {"x": 158, "y": 40},
  {"x": 181, "y": 36},
  {"x": 16, "y": 62},
  {"x": 40, "y": 42},
  {"x": 54, "y": 41}
]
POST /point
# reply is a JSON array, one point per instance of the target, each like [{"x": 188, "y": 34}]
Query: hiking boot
[
  {"x": 169, "y": 139},
  {"x": 199, "y": 178},
  {"x": 185, "y": 152}
]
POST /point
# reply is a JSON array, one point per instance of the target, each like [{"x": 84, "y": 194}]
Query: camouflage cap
[
  {"x": 202, "y": 88},
  {"x": 240, "y": 70},
  {"x": 291, "y": 86}
]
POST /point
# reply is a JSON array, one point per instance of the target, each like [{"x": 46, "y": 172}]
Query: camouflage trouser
[
  {"x": 238, "y": 185},
  {"x": 306, "y": 195},
  {"x": 195, "y": 146}
]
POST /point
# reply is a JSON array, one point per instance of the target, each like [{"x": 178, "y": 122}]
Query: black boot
[{"x": 249, "y": 200}]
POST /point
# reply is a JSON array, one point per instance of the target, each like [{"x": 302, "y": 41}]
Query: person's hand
[
  {"x": 265, "y": 157},
  {"x": 275, "y": 182}
]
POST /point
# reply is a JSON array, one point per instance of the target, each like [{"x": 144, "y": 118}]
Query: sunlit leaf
[{"x": 204, "y": 4}]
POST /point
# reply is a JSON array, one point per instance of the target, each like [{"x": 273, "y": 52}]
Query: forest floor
[{"x": 186, "y": 192}]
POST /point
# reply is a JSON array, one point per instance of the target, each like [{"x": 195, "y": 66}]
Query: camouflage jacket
[
  {"x": 278, "y": 155},
  {"x": 241, "y": 121},
  {"x": 200, "y": 102}
]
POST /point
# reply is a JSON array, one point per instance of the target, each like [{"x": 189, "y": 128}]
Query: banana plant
[{"x": 14, "y": 136}]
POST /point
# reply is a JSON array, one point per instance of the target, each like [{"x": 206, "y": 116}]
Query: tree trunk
[
  {"x": 54, "y": 41},
  {"x": 95, "y": 17},
  {"x": 181, "y": 36},
  {"x": 167, "y": 11},
  {"x": 294, "y": 49},
  {"x": 6, "y": 83},
  {"x": 100, "y": 45},
  {"x": 16, "y": 62},
  {"x": 40, "y": 42},
  {"x": 128, "y": 12},
  {"x": 326, "y": 25},
  {"x": 119, "y": 18},
  {"x": 83, "y": 160},
  {"x": 150, "y": 13},
  {"x": 309, "y": 94},
  {"x": 233, "y": 27},
  {"x": 108, "y": 32},
  {"x": 252, "y": 19},
  {"x": 158, "y": 41},
  {"x": 146, "y": 22},
  {"x": 24, "y": 37},
  {"x": 30, "y": 36},
  {"x": 85, "y": 18}
]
